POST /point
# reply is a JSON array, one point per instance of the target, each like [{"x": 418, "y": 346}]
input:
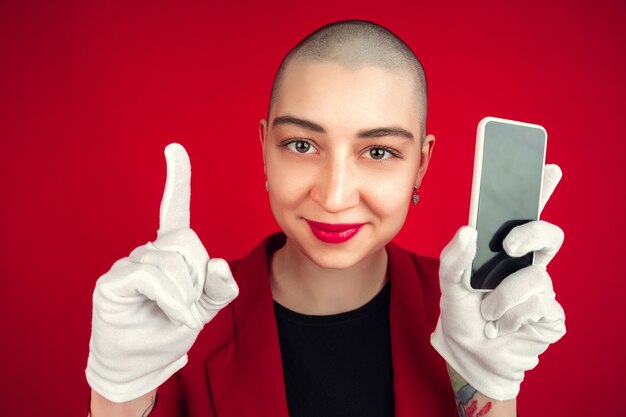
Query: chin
[
  {"x": 337, "y": 256},
  {"x": 333, "y": 259}
]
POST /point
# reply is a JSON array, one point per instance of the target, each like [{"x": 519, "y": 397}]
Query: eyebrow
[
  {"x": 291, "y": 120},
  {"x": 385, "y": 131},
  {"x": 369, "y": 133}
]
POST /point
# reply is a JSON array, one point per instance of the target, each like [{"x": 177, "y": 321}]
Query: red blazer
[{"x": 235, "y": 367}]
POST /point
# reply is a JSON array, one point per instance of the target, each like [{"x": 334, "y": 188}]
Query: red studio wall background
[{"x": 91, "y": 92}]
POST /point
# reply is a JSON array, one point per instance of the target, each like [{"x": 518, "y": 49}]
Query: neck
[{"x": 303, "y": 286}]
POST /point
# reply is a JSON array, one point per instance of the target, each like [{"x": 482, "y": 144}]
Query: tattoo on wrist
[
  {"x": 149, "y": 409},
  {"x": 464, "y": 393}
]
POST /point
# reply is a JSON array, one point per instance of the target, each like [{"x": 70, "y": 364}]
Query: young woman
[{"x": 326, "y": 317}]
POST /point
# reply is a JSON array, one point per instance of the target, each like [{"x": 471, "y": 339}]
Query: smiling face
[{"x": 342, "y": 146}]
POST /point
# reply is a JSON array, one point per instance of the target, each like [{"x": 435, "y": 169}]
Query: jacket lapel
[
  {"x": 421, "y": 385},
  {"x": 246, "y": 375}
]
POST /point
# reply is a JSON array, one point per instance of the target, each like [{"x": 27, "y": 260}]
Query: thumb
[
  {"x": 455, "y": 258},
  {"x": 220, "y": 286},
  {"x": 220, "y": 289},
  {"x": 174, "y": 213}
]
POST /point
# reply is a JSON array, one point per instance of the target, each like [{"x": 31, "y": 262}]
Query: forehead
[{"x": 337, "y": 96}]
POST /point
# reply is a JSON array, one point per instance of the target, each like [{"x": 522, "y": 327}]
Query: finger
[
  {"x": 172, "y": 265},
  {"x": 551, "y": 176},
  {"x": 169, "y": 297},
  {"x": 187, "y": 243},
  {"x": 516, "y": 289},
  {"x": 220, "y": 286},
  {"x": 131, "y": 282},
  {"x": 174, "y": 213},
  {"x": 455, "y": 258},
  {"x": 542, "y": 237},
  {"x": 541, "y": 312},
  {"x": 220, "y": 289}
]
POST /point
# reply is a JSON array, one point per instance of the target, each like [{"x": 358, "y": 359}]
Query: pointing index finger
[{"x": 174, "y": 213}]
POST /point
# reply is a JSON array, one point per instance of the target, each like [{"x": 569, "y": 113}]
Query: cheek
[
  {"x": 393, "y": 194},
  {"x": 389, "y": 198},
  {"x": 289, "y": 182}
]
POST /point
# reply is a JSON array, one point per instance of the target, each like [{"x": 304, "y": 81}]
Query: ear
[
  {"x": 425, "y": 154},
  {"x": 262, "y": 135}
]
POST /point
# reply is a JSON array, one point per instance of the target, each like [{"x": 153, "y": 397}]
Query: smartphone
[{"x": 508, "y": 176}]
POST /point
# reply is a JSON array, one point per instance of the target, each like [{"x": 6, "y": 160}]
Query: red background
[{"x": 91, "y": 93}]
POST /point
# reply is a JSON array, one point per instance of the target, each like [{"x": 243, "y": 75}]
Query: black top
[{"x": 340, "y": 364}]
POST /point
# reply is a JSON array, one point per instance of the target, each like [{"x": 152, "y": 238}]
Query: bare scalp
[{"x": 354, "y": 44}]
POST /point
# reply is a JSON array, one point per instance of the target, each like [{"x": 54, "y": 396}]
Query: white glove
[
  {"x": 149, "y": 308},
  {"x": 492, "y": 338}
]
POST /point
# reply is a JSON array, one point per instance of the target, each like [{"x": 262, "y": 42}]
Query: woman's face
[{"x": 343, "y": 147}]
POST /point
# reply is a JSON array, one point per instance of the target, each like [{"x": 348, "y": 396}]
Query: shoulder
[
  {"x": 256, "y": 259},
  {"x": 416, "y": 278},
  {"x": 425, "y": 267},
  {"x": 424, "y": 264}
]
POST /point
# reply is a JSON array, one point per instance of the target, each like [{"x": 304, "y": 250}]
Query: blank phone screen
[{"x": 510, "y": 186}]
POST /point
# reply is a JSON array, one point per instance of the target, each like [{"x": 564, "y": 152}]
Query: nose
[{"x": 336, "y": 188}]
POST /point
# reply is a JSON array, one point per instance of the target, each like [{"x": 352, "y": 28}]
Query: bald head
[{"x": 355, "y": 44}]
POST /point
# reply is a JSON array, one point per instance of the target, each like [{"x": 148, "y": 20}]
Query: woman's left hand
[{"x": 492, "y": 338}]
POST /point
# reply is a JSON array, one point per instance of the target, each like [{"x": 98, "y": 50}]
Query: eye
[
  {"x": 381, "y": 152},
  {"x": 299, "y": 146}
]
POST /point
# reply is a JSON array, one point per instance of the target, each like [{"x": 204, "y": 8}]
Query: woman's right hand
[{"x": 149, "y": 308}]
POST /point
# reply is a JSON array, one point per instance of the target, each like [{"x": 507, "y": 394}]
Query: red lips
[{"x": 334, "y": 233}]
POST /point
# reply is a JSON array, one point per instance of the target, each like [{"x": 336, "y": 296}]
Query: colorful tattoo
[{"x": 464, "y": 394}]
